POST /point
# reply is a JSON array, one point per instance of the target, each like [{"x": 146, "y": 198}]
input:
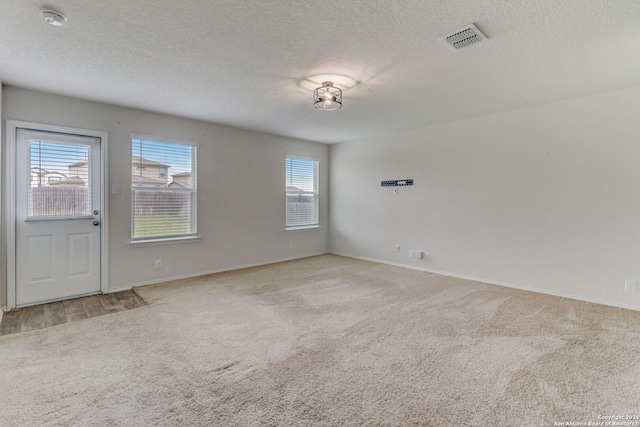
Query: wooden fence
[
  {"x": 59, "y": 201},
  {"x": 162, "y": 202},
  {"x": 301, "y": 210}
]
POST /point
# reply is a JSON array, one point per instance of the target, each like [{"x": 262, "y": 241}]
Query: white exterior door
[{"x": 57, "y": 216}]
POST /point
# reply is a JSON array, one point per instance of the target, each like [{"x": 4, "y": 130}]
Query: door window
[{"x": 60, "y": 180}]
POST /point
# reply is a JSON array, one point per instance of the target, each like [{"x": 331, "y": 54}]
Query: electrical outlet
[
  {"x": 630, "y": 285},
  {"x": 426, "y": 256},
  {"x": 158, "y": 264},
  {"x": 395, "y": 190},
  {"x": 412, "y": 253},
  {"x": 397, "y": 248},
  {"x": 419, "y": 254}
]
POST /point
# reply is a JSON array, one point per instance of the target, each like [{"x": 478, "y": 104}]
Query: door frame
[{"x": 12, "y": 127}]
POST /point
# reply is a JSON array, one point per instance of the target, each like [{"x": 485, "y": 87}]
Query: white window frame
[
  {"x": 165, "y": 239},
  {"x": 316, "y": 193}
]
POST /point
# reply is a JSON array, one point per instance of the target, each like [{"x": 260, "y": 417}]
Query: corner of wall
[
  {"x": 3, "y": 270},
  {"x": 530, "y": 201}
]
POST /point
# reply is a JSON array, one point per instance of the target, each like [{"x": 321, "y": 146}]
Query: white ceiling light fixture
[
  {"x": 327, "y": 97},
  {"x": 53, "y": 17}
]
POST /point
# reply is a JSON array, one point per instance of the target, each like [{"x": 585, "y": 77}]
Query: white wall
[
  {"x": 544, "y": 198},
  {"x": 241, "y": 201},
  {"x": 3, "y": 276}
]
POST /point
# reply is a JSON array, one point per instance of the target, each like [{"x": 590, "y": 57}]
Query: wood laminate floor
[{"x": 57, "y": 313}]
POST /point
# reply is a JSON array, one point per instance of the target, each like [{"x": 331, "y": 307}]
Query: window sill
[
  {"x": 167, "y": 241},
  {"x": 303, "y": 228}
]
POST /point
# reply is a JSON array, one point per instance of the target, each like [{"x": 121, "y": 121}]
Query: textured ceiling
[{"x": 251, "y": 63}]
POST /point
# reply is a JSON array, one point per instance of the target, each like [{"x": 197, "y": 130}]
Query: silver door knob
[{"x": 96, "y": 223}]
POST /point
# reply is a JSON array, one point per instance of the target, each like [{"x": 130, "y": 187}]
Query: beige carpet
[{"x": 328, "y": 341}]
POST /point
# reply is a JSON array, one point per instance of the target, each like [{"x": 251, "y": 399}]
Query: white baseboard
[
  {"x": 494, "y": 282},
  {"x": 204, "y": 273},
  {"x": 119, "y": 288}
]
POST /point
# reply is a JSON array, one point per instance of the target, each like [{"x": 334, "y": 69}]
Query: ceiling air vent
[{"x": 462, "y": 37}]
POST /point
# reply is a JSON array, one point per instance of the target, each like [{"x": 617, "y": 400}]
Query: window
[
  {"x": 49, "y": 195},
  {"x": 301, "y": 193},
  {"x": 160, "y": 208}
]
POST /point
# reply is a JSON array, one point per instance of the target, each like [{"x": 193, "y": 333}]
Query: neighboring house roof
[
  {"x": 137, "y": 179},
  {"x": 134, "y": 159},
  {"x": 42, "y": 171},
  {"x": 147, "y": 162},
  {"x": 72, "y": 180},
  {"x": 75, "y": 165},
  {"x": 39, "y": 171},
  {"x": 181, "y": 180}
]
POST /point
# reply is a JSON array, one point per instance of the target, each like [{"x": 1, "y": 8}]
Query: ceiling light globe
[
  {"x": 53, "y": 18},
  {"x": 327, "y": 97}
]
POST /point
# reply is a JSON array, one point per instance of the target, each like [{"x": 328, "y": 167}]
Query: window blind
[
  {"x": 302, "y": 204},
  {"x": 163, "y": 189},
  {"x": 60, "y": 179}
]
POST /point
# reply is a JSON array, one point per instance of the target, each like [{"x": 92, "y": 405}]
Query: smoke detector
[
  {"x": 462, "y": 37},
  {"x": 53, "y": 17}
]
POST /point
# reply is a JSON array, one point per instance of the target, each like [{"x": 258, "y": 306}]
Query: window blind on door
[{"x": 60, "y": 179}]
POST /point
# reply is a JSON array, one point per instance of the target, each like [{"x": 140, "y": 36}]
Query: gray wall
[
  {"x": 241, "y": 179},
  {"x": 3, "y": 257},
  {"x": 544, "y": 198}
]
